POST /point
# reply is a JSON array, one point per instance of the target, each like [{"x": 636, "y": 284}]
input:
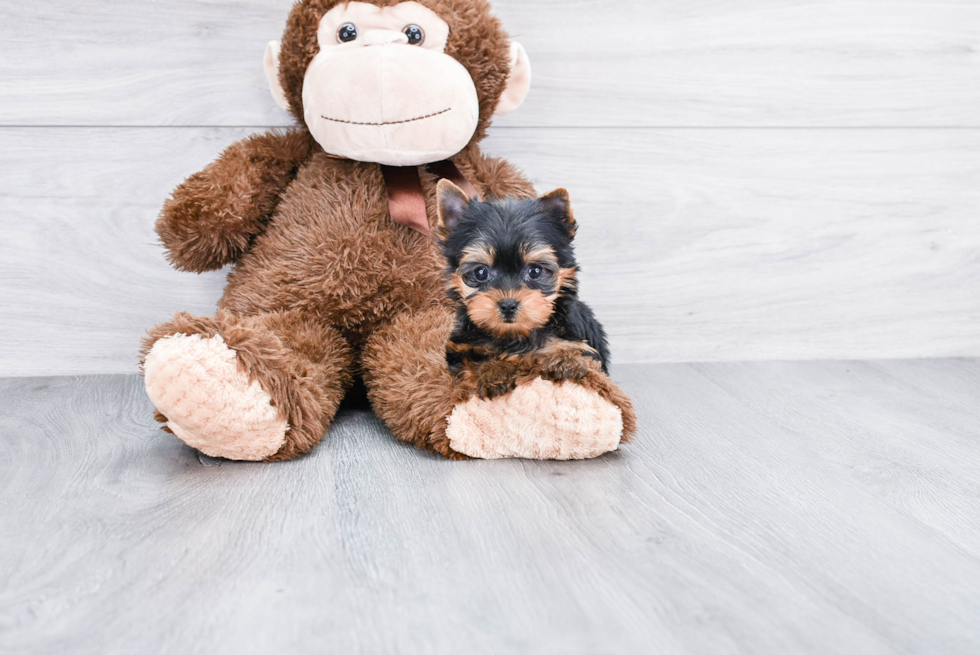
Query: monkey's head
[{"x": 397, "y": 83}]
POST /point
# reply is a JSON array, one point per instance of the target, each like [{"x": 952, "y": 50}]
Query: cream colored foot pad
[
  {"x": 209, "y": 402},
  {"x": 541, "y": 420}
]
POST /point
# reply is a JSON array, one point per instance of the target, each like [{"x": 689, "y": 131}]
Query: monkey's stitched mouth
[{"x": 407, "y": 120}]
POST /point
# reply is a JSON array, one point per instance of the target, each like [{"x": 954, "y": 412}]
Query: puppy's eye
[
  {"x": 415, "y": 34},
  {"x": 481, "y": 274},
  {"x": 347, "y": 33},
  {"x": 534, "y": 272}
]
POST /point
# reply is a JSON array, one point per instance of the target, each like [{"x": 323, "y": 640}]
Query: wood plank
[
  {"x": 695, "y": 244},
  {"x": 765, "y": 508},
  {"x": 772, "y": 244},
  {"x": 632, "y": 62},
  {"x": 83, "y": 273}
]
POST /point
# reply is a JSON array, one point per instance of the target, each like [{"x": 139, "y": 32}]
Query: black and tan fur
[{"x": 512, "y": 274}]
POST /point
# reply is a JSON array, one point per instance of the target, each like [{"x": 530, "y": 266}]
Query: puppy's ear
[
  {"x": 452, "y": 203},
  {"x": 557, "y": 205}
]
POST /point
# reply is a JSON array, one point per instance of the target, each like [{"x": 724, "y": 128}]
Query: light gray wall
[{"x": 754, "y": 179}]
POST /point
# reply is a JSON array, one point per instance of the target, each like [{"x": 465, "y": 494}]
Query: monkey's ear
[
  {"x": 272, "y": 74},
  {"x": 557, "y": 205},
  {"x": 518, "y": 81},
  {"x": 451, "y": 202}
]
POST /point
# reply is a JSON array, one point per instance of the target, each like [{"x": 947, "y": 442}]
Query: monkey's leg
[
  {"x": 412, "y": 390},
  {"x": 408, "y": 379},
  {"x": 261, "y": 387}
]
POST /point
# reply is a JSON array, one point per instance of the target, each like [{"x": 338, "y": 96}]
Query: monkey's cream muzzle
[{"x": 385, "y": 101}]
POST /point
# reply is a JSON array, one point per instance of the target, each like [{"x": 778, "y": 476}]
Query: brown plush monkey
[{"x": 334, "y": 273}]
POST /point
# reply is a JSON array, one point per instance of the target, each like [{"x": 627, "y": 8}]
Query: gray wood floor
[{"x": 822, "y": 507}]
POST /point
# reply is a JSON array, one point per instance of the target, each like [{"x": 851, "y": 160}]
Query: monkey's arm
[
  {"x": 580, "y": 324},
  {"x": 211, "y": 218}
]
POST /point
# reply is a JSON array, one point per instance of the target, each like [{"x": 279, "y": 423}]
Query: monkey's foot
[
  {"x": 539, "y": 420},
  {"x": 209, "y": 402}
]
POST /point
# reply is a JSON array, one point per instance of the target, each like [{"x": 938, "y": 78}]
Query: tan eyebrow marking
[
  {"x": 480, "y": 254},
  {"x": 541, "y": 255}
]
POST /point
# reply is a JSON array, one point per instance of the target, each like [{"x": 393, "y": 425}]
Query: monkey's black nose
[{"x": 508, "y": 308}]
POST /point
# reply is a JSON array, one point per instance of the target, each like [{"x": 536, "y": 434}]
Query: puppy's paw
[
  {"x": 564, "y": 361},
  {"x": 495, "y": 378},
  {"x": 565, "y": 367}
]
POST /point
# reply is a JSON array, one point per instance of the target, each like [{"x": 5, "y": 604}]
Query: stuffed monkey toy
[{"x": 334, "y": 273}]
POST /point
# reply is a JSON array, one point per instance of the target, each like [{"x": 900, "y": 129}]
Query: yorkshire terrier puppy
[{"x": 511, "y": 271}]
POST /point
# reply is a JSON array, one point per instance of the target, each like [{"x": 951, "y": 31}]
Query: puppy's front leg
[
  {"x": 456, "y": 356},
  {"x": 495, "y": 377},
  {"x": 488, "y": 374},
  {"x": 561, "y": 360}
]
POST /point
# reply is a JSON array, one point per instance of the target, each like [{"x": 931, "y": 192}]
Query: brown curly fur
[
  {"x": 303, "y": 365},
  {"x": 236, "y": 194},
  {"x": 325, "y": 286}
]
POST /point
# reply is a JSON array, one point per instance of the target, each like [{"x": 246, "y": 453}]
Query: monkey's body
[
  {"x": 332, "y": 251},
  {"x": 326, "y": 287}
]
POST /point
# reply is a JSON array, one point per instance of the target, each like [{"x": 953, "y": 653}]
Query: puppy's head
[{"x": 508, "y": 260}]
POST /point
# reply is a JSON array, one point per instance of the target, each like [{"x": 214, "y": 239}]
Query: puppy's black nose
[{"x": 508, "y": 307}]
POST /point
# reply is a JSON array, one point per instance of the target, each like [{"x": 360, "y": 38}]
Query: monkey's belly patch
[
  {"x": 211, "y": 404},
  {"x": 540, "y": 420}
]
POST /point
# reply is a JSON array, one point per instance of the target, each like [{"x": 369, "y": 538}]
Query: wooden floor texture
[
  {"x": 753, "y": 179},
  {"x": 821, "y": 507}
]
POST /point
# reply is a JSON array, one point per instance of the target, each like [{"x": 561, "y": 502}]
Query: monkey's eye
[
  {"x": 481, "y": 274},
  {"x": 415, "y": 34},
  {"x": 347, "y": 33},
  {"x": 534, "y": 272}
]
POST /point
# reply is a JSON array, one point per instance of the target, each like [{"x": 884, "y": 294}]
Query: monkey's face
[{"x": 383, "y": 89}]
